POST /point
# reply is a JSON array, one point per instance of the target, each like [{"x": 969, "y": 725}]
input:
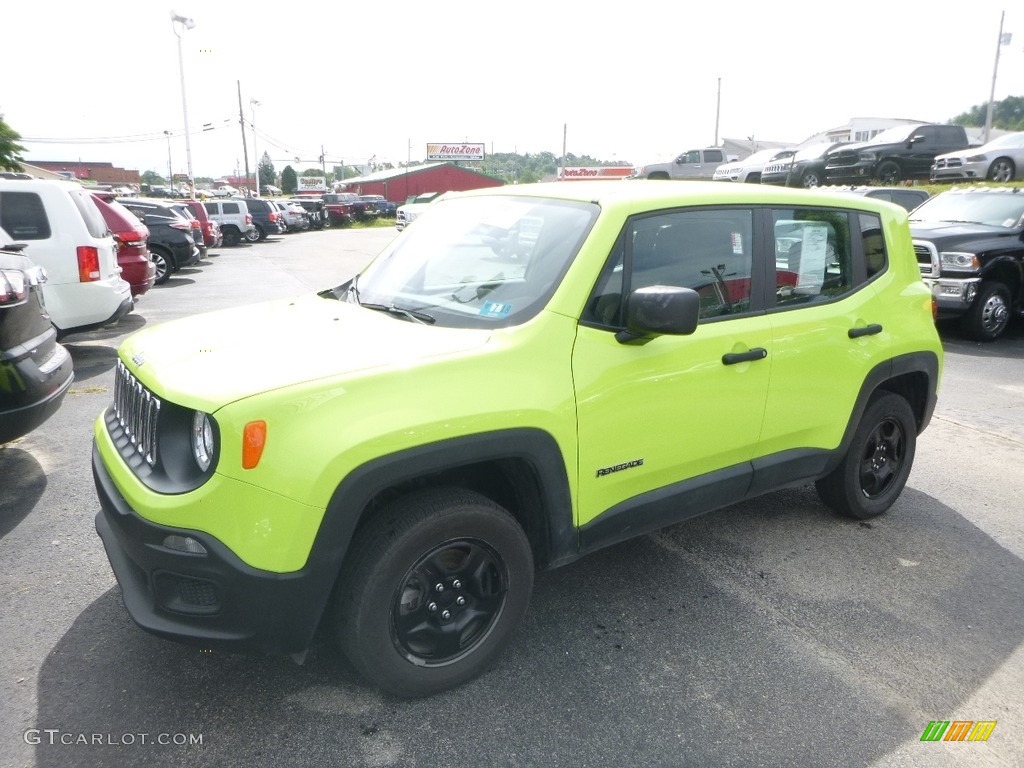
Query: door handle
[
  {"x": 867, "y": 330},
  {"x": 757, "y": 353}
]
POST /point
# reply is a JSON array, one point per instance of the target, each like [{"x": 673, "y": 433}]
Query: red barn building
[{"x": 397, "y": 185}]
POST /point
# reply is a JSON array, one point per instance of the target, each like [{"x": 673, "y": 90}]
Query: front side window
[
  {"x": 707, "y": 250},
  {"x": 23, "y": 216},
  {"x": 476, "y": 262}
]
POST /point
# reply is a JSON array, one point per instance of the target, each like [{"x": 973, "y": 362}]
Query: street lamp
[
  {"x": 253, "y": 103},
  {"x": 170, "y": 173},
  {"x": 179, "y": 24}
]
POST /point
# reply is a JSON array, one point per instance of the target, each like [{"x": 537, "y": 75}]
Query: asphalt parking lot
[{"x": 769, "y": 634}]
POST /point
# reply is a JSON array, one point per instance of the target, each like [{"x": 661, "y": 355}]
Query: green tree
[
  {"x": 289, "y": 180},
  {"x": 266, "y": 171},
  {"x": 152, "y": 177},
  {"x": 1007, "y": 115},
  {"x": 10, "y": 160},
  {"x": 312, "y": 172}
]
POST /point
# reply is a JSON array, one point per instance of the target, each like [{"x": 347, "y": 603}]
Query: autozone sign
[
  {"x": 455, "y": 151},
  {"x": 589, "y": 173},
  {"x": 312, "y": 183}
]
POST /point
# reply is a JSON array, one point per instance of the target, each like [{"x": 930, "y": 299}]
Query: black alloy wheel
[
  {"x": 431, "y": 590},
  {"x": 876, "y": 466}
]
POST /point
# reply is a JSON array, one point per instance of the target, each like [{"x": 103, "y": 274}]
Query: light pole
[
  {"x": 253, "y": 103},
  {"x": 170, "y": 172},
  {"x": 179, "y": 24}
]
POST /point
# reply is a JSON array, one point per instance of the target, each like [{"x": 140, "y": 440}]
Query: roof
[{"x": 395, "y": 173}]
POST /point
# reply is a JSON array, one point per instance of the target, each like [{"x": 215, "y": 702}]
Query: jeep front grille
[{"x": 137, "y": 411}]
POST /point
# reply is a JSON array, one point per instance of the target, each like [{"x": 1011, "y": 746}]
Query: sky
[{"x": 629, "y": 82}]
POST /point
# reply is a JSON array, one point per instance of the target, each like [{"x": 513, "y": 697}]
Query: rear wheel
[
  {"x": 889, "y": 172},
  {"x": 254, "y": 235},
  {"x": 989, "y": 313},
  {"x": 877, "y": 464},
  {"x": 436, "y": 584},
  {"x": 164, "y": 264},
  {"x": 1002, "y": 169},
  {"x": 231, "y": 235}
]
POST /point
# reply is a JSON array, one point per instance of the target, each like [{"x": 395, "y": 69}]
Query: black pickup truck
[
  {"x": 895, "y": 154},
  {"x": 970, "y": 248}
]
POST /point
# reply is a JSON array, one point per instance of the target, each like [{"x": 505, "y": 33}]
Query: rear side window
[
  {"x": 825, "y": 254},
  {"x": 90, "y": 213},
  {"x": 23, "y": 216},
  {"x": 230, "y": 207}
]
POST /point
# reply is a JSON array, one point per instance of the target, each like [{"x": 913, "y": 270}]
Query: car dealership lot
[{"x": 772, "y": 633}]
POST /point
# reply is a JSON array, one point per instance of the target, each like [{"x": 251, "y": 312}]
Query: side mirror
[
  {"x": 660, "y": 310},
  {"x": 915, "y": 139}
]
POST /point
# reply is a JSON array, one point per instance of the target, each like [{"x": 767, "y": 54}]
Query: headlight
[
  {"x": 975, "y": 159},
  {"x": 868, "y": 156},
  {"x": 957, "y": 260},
  {"x": 204, "y": 443}
]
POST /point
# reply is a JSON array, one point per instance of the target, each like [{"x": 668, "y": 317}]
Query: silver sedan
[{"x": 1000, "y": 160}]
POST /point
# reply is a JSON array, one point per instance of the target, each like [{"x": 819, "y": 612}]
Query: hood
[
  {"x": 210, "y": 360},
  {"x": 934, "y": 229}
]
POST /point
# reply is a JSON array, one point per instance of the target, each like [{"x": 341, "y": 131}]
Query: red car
[
  {"x": 130, "y": 235},
  {"x": 211, "y": 229}
]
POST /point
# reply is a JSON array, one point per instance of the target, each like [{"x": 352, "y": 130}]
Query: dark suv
[
  {"x": 35, "y": 371},
  {"x": 266, "y": 217},
  {"x": 171, "y": 239}
]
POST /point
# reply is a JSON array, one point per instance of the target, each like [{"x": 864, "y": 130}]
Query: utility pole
[
  {"x": 995, "y": 69},
  {"x": 241, "y": 123},
  {"x": 718, "y": 110},
  {"x": 323, "y": 163}
]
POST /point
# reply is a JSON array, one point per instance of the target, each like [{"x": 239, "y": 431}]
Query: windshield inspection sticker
[{"x": 491, "y": 309}]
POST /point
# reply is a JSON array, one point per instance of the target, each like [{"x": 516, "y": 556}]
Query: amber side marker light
[
  {"x": 935, "y": 309},
  {"x": 254, "y": 438}
]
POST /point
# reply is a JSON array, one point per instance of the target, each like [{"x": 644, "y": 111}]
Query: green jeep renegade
[{"x": 522, "y": 377}]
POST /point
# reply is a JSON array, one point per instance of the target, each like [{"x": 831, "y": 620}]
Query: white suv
[
  {"x": 66, "y": 235},
  {"x": 234, "y": 219}
]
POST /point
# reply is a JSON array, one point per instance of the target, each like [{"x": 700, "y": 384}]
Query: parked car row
[{"x": 906, "y": 152}]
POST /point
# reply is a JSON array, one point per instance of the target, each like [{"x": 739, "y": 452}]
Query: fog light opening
[{"x": 184, "y": 544}]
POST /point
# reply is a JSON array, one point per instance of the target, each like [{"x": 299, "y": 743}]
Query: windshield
[
  {"x": 475, "y": 262},
  {"x": 812, "y": 152},
  {"x": 894, "y": 135},
  {"x": 1009, "y": 140},
  {"x": 997, "y": 209}
]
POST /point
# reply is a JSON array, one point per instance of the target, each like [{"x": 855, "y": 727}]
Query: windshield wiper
[{"x": 409, "y": 314}]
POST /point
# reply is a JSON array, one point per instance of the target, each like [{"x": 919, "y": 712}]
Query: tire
[
  {"x": 658, "y": 175},
  {"x": 164, "y": 263},
  {"x": 753, "y": 178},
  {"x": 989, "y": 313},
  {"x": 1002, "y": 169},
  {"x": 889, "y": 172},
  {"x": 877, "y": 464},
  {"x": 402, "y": 633},
  {"x": 231, "y": 236},
  {"x": 254, "y": 235},
  {"x": 810, "y": 179}
]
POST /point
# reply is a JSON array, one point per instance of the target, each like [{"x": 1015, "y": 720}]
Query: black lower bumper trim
[{"x": 212, "y": 600}]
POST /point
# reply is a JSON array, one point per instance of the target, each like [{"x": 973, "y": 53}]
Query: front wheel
[
  {"x": 889, "y": 172},
  {"x": 877, "y": 464},
  {"x": 810, "y": 179},
  {"x": 436, "y": 584},
  {"x": 989, "y": 313}
]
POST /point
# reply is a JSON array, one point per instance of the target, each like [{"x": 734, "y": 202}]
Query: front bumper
[
  {"x": 212, "y": 599},
  {"x": 953, "y": 297},
  {"x": 855, "y": 174}
]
